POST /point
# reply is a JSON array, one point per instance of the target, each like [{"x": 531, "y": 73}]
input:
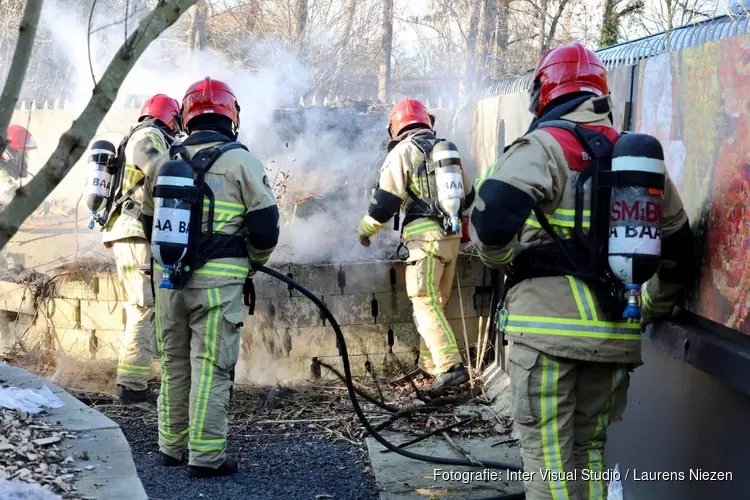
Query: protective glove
[
  {"x": 651, "y": 315},
  {"x": 364, "y": 240}
]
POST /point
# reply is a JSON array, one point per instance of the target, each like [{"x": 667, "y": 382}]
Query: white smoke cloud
[{"x": 335, "y": 165}]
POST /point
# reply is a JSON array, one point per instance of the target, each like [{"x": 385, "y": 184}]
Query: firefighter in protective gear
[
  {"x": 14, "y": 162},
  {"x": 126, "y": 233},
  {"x": 198, "y": 327},
  {"x": 569, "y": 363},
  {"x": 431, "y": 265}
]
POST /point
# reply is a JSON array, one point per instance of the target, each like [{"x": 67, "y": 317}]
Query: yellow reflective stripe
[
  {"x": 164, "y": 425},
  {"x": 449, "y": 349},
  {"x": 132, "y": 176},
  {"x": 221, "y": 220},
  {"x": 235, "y": 267},
  {"x": 226, "y": 206},
  {"x": 420, "y": 227},
  {"x": 370, "y": 226},
  {"x": 561, "y": 217},
  {"x": 550, "y": 437},
  {"x": 419, "y": 185},
  {"x": 130, "y": 268},
  {"x": 478, "y": 183},
  {"x": 228, "y": 274},
  {"x": 573, "y": 327},
  {"x": 577, "y": 297},
  {"x": 432, "y": 293},
  {"x": 596, "y": 451},
  {"x": 501, "y": 261},
  {"x": 207, "y": 366},
  {"x": 136, "y": 373},
  {"x": 133, "y": 370},
  {"x": 590, "y": 299},
  {"x": 216, "y": 269},
  {"x": 182, "y": 433},
  {"x": 157, "y": 140},
  {"x": 260, "y": 260},
  {"x": 207, "y": 447},
  {"x": 582, "y": 296},
  {"x": 658, "y": 307},
  {"x": 170, "y": 438}
]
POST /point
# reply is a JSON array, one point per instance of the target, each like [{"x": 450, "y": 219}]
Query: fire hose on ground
[{"x": 341, "y": 344}]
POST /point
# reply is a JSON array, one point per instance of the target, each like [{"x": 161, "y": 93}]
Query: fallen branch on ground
[{"x": 463, "y": 452}]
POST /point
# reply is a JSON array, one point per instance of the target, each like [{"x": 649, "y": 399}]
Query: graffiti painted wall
[{"x": 697, "y": 102}]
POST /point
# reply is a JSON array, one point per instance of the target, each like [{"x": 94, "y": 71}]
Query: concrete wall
[
  {"x": 680, "y": 419},
  {"x": 86, "y": 318}
]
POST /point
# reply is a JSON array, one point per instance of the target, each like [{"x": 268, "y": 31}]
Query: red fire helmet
[
  {"x": 405, "y": 113},
  {"x": 162, "y": 107},
  {"x": 564, "y": 70},
  {"x": 19, "y": 138},
  {"x": 210, "y": 96}
]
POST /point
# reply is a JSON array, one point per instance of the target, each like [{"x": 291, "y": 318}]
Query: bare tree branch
[
  {"x": 73, "y": 143},
  {"x": 17, "y": 72}
]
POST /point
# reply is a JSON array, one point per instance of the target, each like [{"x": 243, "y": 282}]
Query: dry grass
[{"x": 73, "y": 372}]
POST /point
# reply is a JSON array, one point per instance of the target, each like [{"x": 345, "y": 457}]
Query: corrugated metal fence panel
[{"x": 626, "y": 54}]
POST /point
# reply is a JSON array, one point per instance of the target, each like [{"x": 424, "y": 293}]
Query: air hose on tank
[{"x": 341, "y": 344}]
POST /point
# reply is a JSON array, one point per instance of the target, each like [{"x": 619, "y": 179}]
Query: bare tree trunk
[
  {"x": 543, "y": 28},
  {"x": 74, "y": 142},
  {"x": 568, "y": 27},
  {"x": 300, "y": 15},
  {"x": 499, "y": 68},
  {"x": 487, "y": 23},
  {"x": 198, "y": 26},
  {"x": 469, "y": 76},
  {"x": 386, "y": 45},
  {"x": 609, "y": 30},
  {"x": 17, "y": 73},
  {"x": 351, "y": 10},
  {"x": 553, "y": 26},
  {"x": 609, "y": 33}
]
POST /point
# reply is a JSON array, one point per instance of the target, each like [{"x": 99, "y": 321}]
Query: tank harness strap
[
  {"x": 579, "y": 256},
  {"x": 248, "y": 294},
  {"x": 419, "y": 208},
  {"x": 209, "y": 245},
  {"x": 124, "y": 204}
]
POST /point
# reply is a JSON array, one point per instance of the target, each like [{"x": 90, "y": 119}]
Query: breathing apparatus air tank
[
  {"x": 449, "y": 180},
  {"x": 636, "y": 215},
  {"x": 172, "y": 210},
  {"x": 100, "y": 183}
]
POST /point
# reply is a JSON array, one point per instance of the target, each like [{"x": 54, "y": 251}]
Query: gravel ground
[
  {"x": 272, "y": 466},
  {"x": 284, "y": 448}
]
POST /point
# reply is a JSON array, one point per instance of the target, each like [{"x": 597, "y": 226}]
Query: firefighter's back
[{"x": 561, "y": 315}]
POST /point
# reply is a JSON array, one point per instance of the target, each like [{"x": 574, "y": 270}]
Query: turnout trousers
[
  {"x": 429, "y": 280},
  {"x": 562, "y": 408},
  {"x": 134, "y": 366},
  {"x": 198, "y": 338}
]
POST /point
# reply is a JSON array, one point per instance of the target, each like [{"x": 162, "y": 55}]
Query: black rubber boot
[
  {"x": 453, "y": 377},
  {"x": 128, "y": 397},
  {"x": 228, "y": 468},
  {"x": 169, "y": 461}
]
